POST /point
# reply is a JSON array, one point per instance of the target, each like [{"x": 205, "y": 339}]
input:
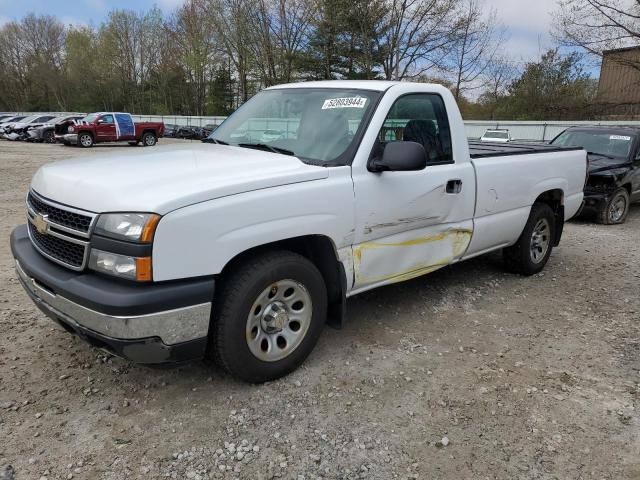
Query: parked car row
[
  {"x": 30, "y": 128},
  {"x": 80, "y": 129},
  {"x": 189, "y": 132}
]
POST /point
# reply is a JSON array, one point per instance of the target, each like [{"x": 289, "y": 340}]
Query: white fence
[
  {"x": 520, "y": 130},
  {"x": 537, "y": 131}
]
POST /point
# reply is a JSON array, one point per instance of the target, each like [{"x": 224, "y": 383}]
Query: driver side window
[
  {"x": 107, "y": 119},
  {"x": 420, "y": 118}
]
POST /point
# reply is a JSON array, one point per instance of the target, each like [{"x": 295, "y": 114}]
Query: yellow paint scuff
[{"x": 461, "y": 240}]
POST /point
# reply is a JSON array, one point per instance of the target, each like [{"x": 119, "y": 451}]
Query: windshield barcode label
[
  {"x": 350, "y": 102},
  {"x": 619, "y": 137}
]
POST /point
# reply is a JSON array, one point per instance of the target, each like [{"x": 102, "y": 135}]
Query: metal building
[{"x": 619, "y": 85}]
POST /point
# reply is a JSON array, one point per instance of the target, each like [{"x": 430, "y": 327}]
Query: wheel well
[
  {"x": 149, "y": 130},
  {"x": 86, "y": 131},
  {"x": 627, "y": 187},
  {"x": 321, "y": 251},
  {"x": 555, "y": 199}
]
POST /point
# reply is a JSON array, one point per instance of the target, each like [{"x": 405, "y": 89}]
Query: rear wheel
[
  {"x": 85, "y": 140},
  {"x": 268, "y": 316},
  {"x": 616, "y": 209},
  {"x": 149, "y": 139},
  {"x": 532, "y": 250},
  {"x": 49, "y": 136}
]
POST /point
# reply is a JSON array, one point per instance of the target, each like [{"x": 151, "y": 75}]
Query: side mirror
[
  {"x": 100, "y": 121},
  {"x": 401, "y": 156}
]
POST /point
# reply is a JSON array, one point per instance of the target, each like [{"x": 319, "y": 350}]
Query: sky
[{"x": 527, "y": 22}]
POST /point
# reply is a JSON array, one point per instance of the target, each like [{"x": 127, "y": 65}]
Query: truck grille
[
  {"x": 58, "y": 232},
  {"x": 65, "y": 252},
  {"x": 65, "y": 218}
]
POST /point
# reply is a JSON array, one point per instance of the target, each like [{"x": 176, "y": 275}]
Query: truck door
[
  {"x": 411, "y": 223},
  {"x": 125, "y": 128},
  {"x": 105, "y": 128}
]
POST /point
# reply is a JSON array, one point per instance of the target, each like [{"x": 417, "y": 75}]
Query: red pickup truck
[{"x": 111, "y": 127}]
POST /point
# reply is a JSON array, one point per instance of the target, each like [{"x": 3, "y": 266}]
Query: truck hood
[
  {"x": 165, "y": 178},
  {"x": 600, "y": 163}
]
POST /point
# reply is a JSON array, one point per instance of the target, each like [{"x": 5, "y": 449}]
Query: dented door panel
[
  {"x": 408, "y": 225},
  {"x": 396, "y": 258}
]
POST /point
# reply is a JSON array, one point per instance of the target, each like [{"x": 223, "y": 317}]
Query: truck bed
[
  {"x": 508, "y": 179},
  {"x": 478, "y": 149}
]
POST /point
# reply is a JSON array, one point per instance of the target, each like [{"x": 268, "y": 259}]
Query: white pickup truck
[{"x": 243, "y": 247}]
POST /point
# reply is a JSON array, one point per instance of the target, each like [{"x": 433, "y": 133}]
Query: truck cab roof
[{"x": 375, "y": 85}]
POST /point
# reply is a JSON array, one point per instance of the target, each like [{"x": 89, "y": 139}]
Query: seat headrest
[{"x": 419, "y": 131}]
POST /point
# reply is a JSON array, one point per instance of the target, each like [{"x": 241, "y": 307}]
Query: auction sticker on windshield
[
  {"x": 347, "y": 102},
  {"x": 619, "y": 137}
]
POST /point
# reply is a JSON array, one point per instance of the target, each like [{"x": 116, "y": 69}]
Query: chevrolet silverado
[{"x": 243, "y": 247}]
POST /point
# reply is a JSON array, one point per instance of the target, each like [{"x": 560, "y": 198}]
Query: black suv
[{"x": 614, "y": 169}]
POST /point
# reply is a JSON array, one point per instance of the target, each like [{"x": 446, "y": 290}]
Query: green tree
[{"x": 554, "y": 88}]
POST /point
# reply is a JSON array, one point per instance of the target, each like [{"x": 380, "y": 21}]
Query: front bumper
[
  {"x": 68, "y": 138},
  {"x": 146, "y": 323},
  {"x": 594, "y": 201}
]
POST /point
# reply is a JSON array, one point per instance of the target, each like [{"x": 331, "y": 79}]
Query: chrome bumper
[{"x": 171, "y": 326}]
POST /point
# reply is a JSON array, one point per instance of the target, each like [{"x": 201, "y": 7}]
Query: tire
[
  {"x": 243, "y": 313},
  {"x": 134, "y": 144},
  {"x": 85, "y": 140},
  {"x": 531, "y": 252},
  {"x": 615, "y": 211},
  {"x": 149, "y": 139},
  {"x": 49, "y": 137}
]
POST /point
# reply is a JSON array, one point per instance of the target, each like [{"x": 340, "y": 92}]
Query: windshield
[
  {"x": 503, "y": 135},
  {"x": 315, "y": 124},
  {"x": 602, "y": 143},
  {"x": 90, "y": 118}
]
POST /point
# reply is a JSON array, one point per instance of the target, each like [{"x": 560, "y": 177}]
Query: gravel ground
[{"x": 466, "y": 373}]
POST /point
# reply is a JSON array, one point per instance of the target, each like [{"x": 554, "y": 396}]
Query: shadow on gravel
[{"x": 365, "y": 312}]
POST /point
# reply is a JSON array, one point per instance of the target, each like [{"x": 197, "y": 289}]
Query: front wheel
[
  {"x": 149, "y": 139},
  {"x": 531, "y": 252},
  {"x": 85, "y": 140},
  {"x": 268, "y": 316},
  {"x": 616, "y": 209}
]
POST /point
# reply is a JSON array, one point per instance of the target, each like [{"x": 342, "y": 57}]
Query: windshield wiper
[
  {"x": 601, "y": 155},
  {"x": 213, "y": 140},
  {"x": 264, "y": 146}
]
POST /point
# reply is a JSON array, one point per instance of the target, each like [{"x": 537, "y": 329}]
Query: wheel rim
[
  {"x": 149, "y": 140},
  {"x": 85, "y": 140},
  {"x": 279, "y": 320},
  {"x": 540, "y": 240},
  {"x": 617, "y": 208}
]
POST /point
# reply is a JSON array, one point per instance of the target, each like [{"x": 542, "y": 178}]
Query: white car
[
  {"x": 7, "y": 122},
  {"x": 497, "y": 136},
  {"x": 243, "y": 251}
]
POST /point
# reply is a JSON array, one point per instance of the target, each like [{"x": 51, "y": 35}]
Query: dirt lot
[{"x": 466, "y": 373}]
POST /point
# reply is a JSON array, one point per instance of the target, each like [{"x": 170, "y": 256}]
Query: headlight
[
  {"x": 133, "y": 268},
  {"x": 133, "y": 227}
]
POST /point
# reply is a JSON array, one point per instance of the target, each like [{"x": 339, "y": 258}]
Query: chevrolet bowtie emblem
[{"x": 40, "y": 222}]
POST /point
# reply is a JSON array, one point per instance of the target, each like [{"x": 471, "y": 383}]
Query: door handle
[{"x": 454, "y": 186}]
